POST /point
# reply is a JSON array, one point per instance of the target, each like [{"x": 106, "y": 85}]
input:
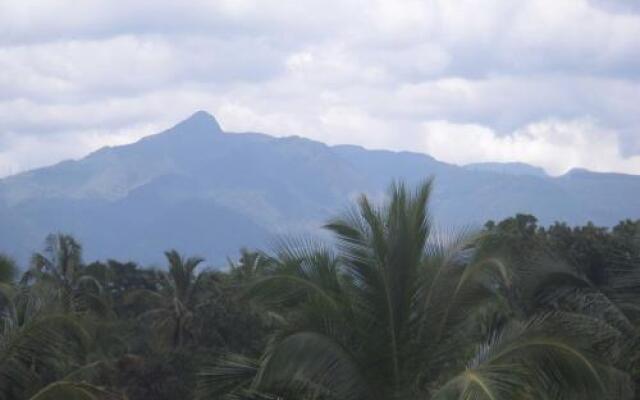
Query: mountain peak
[{"x": 199, "y": 122}]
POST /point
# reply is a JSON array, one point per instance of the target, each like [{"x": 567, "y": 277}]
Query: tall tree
[
  {"x": 39, "y": 341},
  {"x": 60, "y": 266},
  {"x": 396, "y": 314},
  {"x": 174, "y": 303},
  {"x": 8, "y": 269},
  {"x": 250, "y": 265}
]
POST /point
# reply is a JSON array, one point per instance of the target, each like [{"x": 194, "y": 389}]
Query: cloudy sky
[{"x": 554, "y": 83}]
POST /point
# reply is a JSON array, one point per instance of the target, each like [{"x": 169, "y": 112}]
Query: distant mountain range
[{"x": 203, "y": 191}]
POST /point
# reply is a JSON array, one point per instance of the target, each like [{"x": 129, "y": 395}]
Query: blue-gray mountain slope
[{"x": 206, "y": 192}]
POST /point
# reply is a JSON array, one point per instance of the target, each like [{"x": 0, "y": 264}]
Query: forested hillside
[{"x": 389, "y": 308}]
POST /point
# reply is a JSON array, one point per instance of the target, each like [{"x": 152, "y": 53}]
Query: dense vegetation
[{"x": 390, "y": 309}]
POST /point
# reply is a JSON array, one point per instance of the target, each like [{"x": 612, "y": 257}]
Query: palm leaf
[{"x": 71, "y": 391}]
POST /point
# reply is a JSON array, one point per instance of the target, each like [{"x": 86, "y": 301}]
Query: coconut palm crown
[
  {"x": 395, "y": 310},
  {"x": 174, "y": 303}
]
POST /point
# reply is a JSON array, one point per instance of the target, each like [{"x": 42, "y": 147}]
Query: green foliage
[
  {"x": 70, "y": 391},
  {"x": 172, "y": 305},
  {"x": 391, "y": 308},
  {"x": 8, "y": 269},
  {"x": 401, "y": 311},
  {"x": 60, "y": 267},
  {"x": 37, "y": 339}
]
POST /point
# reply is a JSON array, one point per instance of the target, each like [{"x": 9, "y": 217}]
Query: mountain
[
  {"x": 204, "y": 191},
  {"x": 510, "y": 168}
]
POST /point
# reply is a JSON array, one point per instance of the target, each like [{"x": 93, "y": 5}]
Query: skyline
[{"x": 552, "y": 84}]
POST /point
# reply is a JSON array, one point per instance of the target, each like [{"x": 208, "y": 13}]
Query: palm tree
[
  {"x": 73, "y": 390},
  {"x": 249, "y": 266},
  {"x": 38, "y": 341},
  {"x": 175, "y": 300},
  {"x": 8, "y": 269},
  {"x": 60, "y": 266},
  {"x": 402, "y": 312}
]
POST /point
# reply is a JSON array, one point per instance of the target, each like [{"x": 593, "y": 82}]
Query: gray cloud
[{"x": 418, "y": 75}]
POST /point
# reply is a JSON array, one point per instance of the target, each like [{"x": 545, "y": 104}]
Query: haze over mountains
[{"x": 203, "y": 191}]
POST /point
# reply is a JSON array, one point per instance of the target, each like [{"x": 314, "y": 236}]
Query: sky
[{"x": 554, "y": 83}]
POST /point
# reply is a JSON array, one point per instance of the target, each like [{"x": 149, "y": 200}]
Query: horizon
[
  {"x": 547, "y": 84},
  {"x": 214, "y": 120}
]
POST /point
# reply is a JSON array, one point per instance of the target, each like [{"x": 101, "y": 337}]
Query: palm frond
[
  {"x": 230, "y": 373},
  {"x": 72, "y": 391},
  {"x": 312, "y": 365}
]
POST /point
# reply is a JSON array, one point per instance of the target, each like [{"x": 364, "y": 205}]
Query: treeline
[{"x": 391, "y": 309}]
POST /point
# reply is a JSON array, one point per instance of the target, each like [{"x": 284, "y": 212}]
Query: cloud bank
[{"x": 555, "y": 84}]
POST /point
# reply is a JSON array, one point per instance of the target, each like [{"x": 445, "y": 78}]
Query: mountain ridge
[{"x": 209, "y": 192}]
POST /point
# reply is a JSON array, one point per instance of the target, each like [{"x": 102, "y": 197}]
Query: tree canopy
[{"x": 388, "y": 307}]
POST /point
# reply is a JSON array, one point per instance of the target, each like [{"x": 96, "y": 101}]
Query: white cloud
[
  {"x": 555, "y": 144},
  {"x": 348, "y": 71},
  {"x": 19, "y": 152}
]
